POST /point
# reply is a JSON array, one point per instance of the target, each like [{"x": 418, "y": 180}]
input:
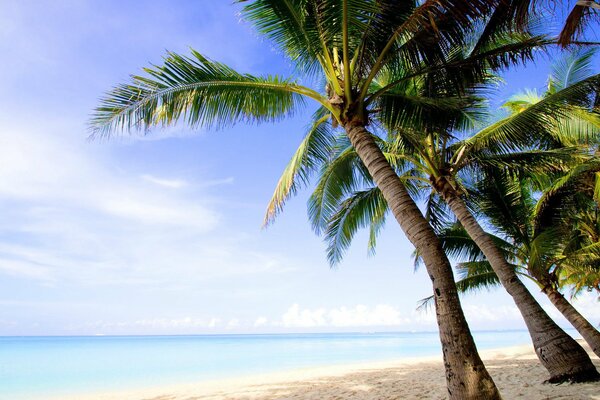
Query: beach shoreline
[{"x": 515, "y": 369}]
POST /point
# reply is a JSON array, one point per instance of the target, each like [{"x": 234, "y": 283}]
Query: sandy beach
[{"x": 516, "y": 371}]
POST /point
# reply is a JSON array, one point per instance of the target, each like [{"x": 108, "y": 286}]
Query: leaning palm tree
[
  {"x": 348, "y": 44},
  {"x": 541, "y": 237},
  {"x": 446, "y": 165}
]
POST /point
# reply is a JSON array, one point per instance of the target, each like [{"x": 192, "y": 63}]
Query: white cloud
[
  {"x": 482, "y": 313},
  {"x": 233, "y": 323},
  {"x": 186, "y": 214},
  {"x": 25, "y": 269},
  {"x": 390, "y": 317},
  {"x": 294, "y": 317},
  {"x": 343, "y": 317},
  {"x": 218, "y": 182},
  {"x": 360, "y": 315},
  {"x": 67, "y": 173},
  {"x": 169, "y": 183},
  {"x": 260, "y": 321},
  {"x": 160, "y": 324}
]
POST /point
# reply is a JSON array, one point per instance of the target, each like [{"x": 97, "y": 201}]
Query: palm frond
[
  {"x": 529, "y": 162},
  {"x": 291, "y": 25},
  {"x": 531, "y": 126},
  {"x": 426, "y": 35},
  {"x": 312, "y": 153},
  {"x": 337, "y": 178},
  {"x": 421, "y": 112},
  {"x": 586, "y": 255},
  {"x": 574, "y": 66},
  {"x": 437, "y": 212},
  {"x": 576, "y": 20},
  {"x": 458, "y": 244},
  {"x": 559, "y": 195},
  {"x": 201, "y": 92},
  {"x": 505, "y": 203},
  {"x": 425, "y": 304},
  {"x": 469, "y": 68},
  {"x": 508, "y": 16},
  {"x": 360, "y": 210},
  {"x": 474, "y": 276}
]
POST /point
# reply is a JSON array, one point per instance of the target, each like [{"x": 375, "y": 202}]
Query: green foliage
[
  {"x": 413, "y": 69},
  {"x": 310, "y": 155},
  {"x": 365, "y": 208},
  {"x": 537, "y": 125},
  {"x": 572, "y": 67},
  {"x": 200, "y": 91}
]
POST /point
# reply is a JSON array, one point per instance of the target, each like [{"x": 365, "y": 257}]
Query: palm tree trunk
[
  {"x": 558, "y": 352},
  {"x": 585, "y": 329},
  {"x": 466, "y": 376}
]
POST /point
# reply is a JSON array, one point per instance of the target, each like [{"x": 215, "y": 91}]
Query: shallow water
[{"x": 34, "y": 367}]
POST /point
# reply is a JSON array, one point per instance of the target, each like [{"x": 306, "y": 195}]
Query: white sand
[{"x": 516, "y": 371}]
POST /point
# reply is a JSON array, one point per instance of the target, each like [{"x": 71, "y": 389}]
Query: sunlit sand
[{"x": 515, "y": 370}]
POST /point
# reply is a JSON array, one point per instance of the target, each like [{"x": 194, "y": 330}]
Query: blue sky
[{"x": 162, "y": 234}]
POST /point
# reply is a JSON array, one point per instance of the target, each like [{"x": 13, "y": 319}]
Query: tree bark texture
[
  {"x": 558, "y": 352},
  {"x": 466, "y": 376},
  {"x": 585, "y": 329}
]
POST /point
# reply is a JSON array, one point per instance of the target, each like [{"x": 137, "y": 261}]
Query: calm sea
[{"x": 39, "y": 367}]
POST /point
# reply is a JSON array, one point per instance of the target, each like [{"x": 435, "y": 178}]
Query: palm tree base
[{"x": 578, "y": 377}]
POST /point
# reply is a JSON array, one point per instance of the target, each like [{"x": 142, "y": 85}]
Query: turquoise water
[{"x": 38, "y": 367}]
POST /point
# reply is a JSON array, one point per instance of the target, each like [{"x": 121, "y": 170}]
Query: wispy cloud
[
  {"x": 168, "y": 183},
  {"x": 77, "y": 216},
  {"x": 344, "y": 317},
  {"x": 388, "y": 316},
  {"x": 218, "y": 182}
]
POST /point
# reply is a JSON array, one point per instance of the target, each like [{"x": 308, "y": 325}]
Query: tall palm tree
[
  {"x": 540, "y": 242},
  {"x": 434, "y": 157},
  {"x": 350, "y": 44},
  {"x": 543, "y": 244},
  {"x": 541, "y": 327}
]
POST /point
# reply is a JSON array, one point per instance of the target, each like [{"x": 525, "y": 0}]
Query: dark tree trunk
[
  {"x": 558, "y": 352},
  {"x": 585, "y": 329},
  {"x": 466, "y": 376}
]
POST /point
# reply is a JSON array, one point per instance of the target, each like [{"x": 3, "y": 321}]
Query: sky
[{"x": 162, "y": 234}]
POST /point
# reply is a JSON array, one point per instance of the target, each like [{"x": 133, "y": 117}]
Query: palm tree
[
  {"x": 565, "y": 209},
  {"x": 541, "y": 237},
  {"x": 349, "y": 44},
  {"x": 434, "y": 158}
]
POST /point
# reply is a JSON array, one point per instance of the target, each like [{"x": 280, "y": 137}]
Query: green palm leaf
[
  {"x": 572, "y": 67},
  {"x": 312, "y": 153},
  {"x": 474, "y": 276},
  {"x": 560, "y": 195},
  {"x": 199, "y": 91},
  {"x": 362, "y": 209},
  {"x": 530, "y": 127}
]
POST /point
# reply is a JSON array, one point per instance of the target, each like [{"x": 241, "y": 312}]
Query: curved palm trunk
[
  {"x": 585, "y": 329},
  {"x": 558, "y": 352},
  {"x": 466, "y": 376}
]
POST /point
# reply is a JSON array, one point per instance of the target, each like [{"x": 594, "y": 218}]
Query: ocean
[{"x": 41, "y": 367}]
